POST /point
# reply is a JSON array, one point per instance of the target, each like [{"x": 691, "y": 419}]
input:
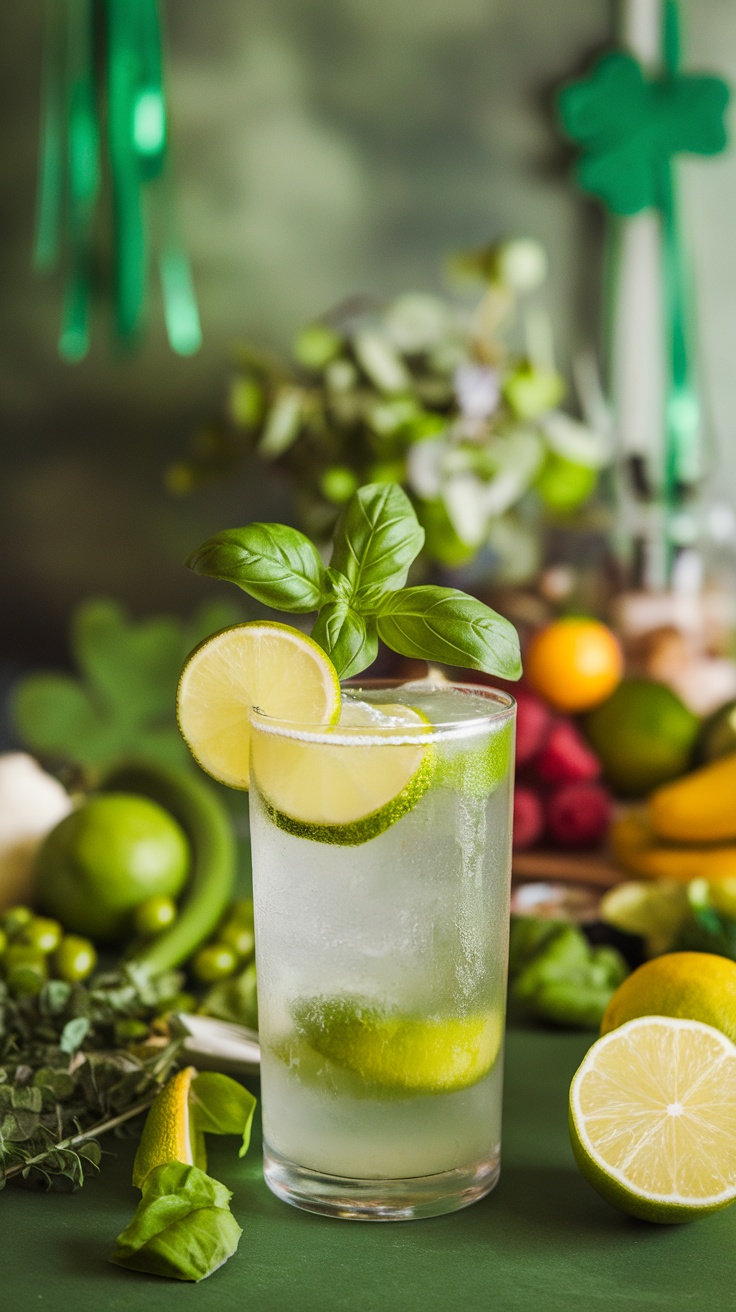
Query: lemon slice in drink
[
  {"x": 354, "y": 782},
  {"x": 399, "y": 1054},
  {"x": 262, "y": 664},
  {"x": 653, "y": 1118}
]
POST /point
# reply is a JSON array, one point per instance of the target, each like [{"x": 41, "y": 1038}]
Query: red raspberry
[
  {"x": 528, "y": 818},
  {"x": 566, "y": 758},
  {"x": 578, "y": 815},
  {"x": 532, "y": 724}
]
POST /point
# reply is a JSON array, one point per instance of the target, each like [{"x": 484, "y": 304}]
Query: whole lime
[
  {"x": 643, "y": 736},
  {"x": 100, "y": 862}
]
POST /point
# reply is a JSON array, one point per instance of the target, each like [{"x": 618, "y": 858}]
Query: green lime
[
  {"x": 41, "y": 933},
  {"x": 214, "y": 962},
  {"x": 75, "y": 958},
  {"x": 103, "y": 860},
  {"x": 154, "y": 915},
  {"x": 643, "y": 736},
  {"x": 405, "y": 1055}
]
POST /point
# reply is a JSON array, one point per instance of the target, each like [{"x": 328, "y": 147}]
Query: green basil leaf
[
  {"x": 73, "y": 1034},
  {"x": 376, "y": 539},
  {"x": 273, "y": 563},
  {"x": 182, "y": 1227},
  {"x": 348, "y": 638},
  {"x": 442, "y": 624},
  {"x": 221, "y": 1105}
]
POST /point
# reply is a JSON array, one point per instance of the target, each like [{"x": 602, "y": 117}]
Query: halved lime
[
  {"x": 400, "y": 1054},
  {"x": 346, "y": 791},
  {"x": 653, "y": 1118},
  {"x": 264, "y": 664}
]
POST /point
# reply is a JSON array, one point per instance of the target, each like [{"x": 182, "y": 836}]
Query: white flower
[{"x": 478, "y": 390}]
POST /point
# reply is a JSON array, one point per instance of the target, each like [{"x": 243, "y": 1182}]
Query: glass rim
[{"x": 504, "y": 706}]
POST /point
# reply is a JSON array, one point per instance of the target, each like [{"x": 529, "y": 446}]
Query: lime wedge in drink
[
  {"x": 264, "y": 664},
  {"x": 478, "y": 771},
  {"x": 375, "y": 768},
  {"x": 400, "y": 1054},
  {"x": 653, "y": 1118}
]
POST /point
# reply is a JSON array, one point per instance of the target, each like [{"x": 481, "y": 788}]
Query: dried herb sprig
[{"x": 74, "y": 1065}]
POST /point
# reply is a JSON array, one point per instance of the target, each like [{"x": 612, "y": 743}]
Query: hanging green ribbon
[
  {"x": 129, "y": 81},
  {"x": 630, "y": 128}
]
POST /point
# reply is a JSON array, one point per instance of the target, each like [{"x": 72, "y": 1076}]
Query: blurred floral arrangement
[{"x": 426, "y": 392}]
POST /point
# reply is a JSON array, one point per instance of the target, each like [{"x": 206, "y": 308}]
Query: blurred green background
[{"x": 323, "y": 147}]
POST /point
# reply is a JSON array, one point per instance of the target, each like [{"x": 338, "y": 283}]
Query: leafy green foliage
[
  {"x": 234, "y": 999},
  {"x": 221, "y": 1105},
  {"x": 377, "y": 537},
  {"x": 557, "y": 975},
  {"x": 64, "y": 1076},
  {"x": 182, "y": 1227},
  {"x": 442, "y": 624},
  {"x": 277, "y": 565},
  {"x": 421, "y": 392},
  {"x": 376, "y": 540},
  {"x": 122, "y": 704}
]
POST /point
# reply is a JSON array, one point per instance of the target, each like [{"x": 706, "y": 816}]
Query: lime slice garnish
[
  {"x": 352, "y": 789},
  {"x": 478, "y": 771},
  {"x": 653, "y": 1118},
  {"x": 400, "y": 1054},
  {"x": 265, "y": 664}
]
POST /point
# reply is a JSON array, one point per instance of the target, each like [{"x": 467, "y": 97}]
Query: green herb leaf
[
  {"x": 182, "y": 1227},
  {"x": 442, "y": 624},
  {"x": 123, "y": 703},
  {"x": 348, "y": 638},
  {"x": 73, "y": 1034},
  {"x": 273, "y": 563},
  {"x": 222, "y": 1106},
  {"x": 376, "y": 539}
]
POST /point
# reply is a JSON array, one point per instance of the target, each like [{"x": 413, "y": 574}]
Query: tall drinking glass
[{"x": 381, "y": 874}]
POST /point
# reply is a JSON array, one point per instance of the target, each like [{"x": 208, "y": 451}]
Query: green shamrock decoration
[
  {"x": 123, "y": 704},
  {"x": 630, "y": 126}
]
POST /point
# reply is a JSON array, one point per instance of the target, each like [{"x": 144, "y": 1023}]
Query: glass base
[{"x": 379, "y": 1200}]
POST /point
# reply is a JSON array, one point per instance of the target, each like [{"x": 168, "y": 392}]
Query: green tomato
[
  {"x": 42, "y": 933},
  {"x": 214, "y": 962},
  {"x": 154, "y": 915},
  {"x": 15, "y": 919},
  {"x": 239, "y": 937},
  {"x": 75, "y": 959},
  {"x": 26, "y": 969}
]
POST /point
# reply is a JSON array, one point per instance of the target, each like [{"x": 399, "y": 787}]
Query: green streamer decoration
[
  {"x": 630, "y": 127},
  {"x": 103, "y": 62}
]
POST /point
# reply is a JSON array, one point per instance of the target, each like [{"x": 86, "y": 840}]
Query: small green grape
[
  {"x": 42, "y": 933},
  {"x": 154, "y": 915},
  {"x": 26, "y": 969},
  {"x": 239, "y": 937},
  {"x": 213, "y": 962},
  {"x": 75, "y": 959},
  {"x": 15, "y": 919}
]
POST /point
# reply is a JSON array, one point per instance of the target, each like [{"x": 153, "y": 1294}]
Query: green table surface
[{"x": 542, "y": 1241}]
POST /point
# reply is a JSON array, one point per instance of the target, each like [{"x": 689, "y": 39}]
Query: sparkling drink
[{"x": 381, "y": 870}]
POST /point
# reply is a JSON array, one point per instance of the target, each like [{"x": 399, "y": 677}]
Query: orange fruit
[{"x": 574, "y": 663}]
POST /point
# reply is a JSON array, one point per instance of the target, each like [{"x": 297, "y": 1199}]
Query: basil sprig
[{"x": 361, "y": 596}]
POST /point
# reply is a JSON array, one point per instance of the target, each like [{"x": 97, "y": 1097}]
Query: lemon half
[{"x": 653, "y": 1118}]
